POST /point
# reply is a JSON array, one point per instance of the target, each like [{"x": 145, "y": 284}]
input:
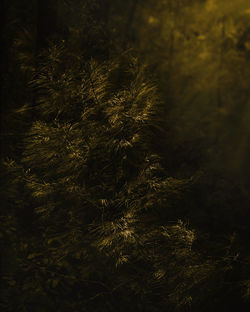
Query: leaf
[
  {"x": 55, "y": 283},
  {"x": 12, "y": 282},
  {"x": 31, "y": 256}
]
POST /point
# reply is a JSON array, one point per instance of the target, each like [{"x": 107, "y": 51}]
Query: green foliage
[
  {"x": 118, "y": 153},
  {"x": 97, "y": 185}
]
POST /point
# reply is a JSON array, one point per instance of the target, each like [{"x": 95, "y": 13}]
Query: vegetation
[{"x": 125, "y": 156}]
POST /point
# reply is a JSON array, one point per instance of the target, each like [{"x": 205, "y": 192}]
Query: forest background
[{"x": 125, "y": 155}]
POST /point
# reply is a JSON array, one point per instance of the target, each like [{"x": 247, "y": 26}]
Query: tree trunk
[
  {"x": 129, "y": 23},
  {"x": 46, "y": 23},
  {"x": 3, "y": 68}
]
